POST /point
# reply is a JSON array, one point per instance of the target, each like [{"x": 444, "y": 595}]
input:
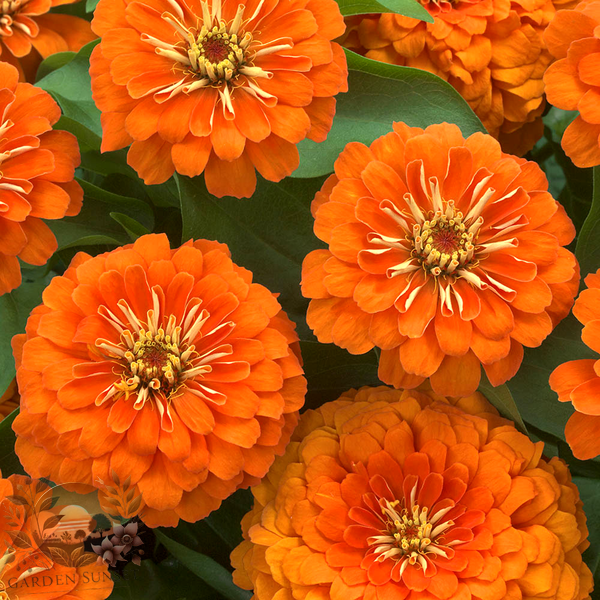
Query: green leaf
[
  {"x": 204, "y": 567},
  {"x": 270, "y": 233},
  {"x": 9, "y": 463},
  {"x": 588, "y": 242},
  {"x": 167, "y": 579},
  {"x": 379, "y": 95},
  {"x": 502, "y": 399},
  {"x": 53, "y": 62},
  {"x": 536, "y": 401},
  {"x": 70, "y": 86},
  {"x": 14, "y": 311},
  {"x": 90, "y": 5},
  {"x": 134, "y": 208},
  {"x": 589, "y": 490},
  {"x": 131, "y": 226},
  {"x": 226, "y": 521},
  {"x": 408, "y": 8},
  {"x": 331, "y": 371}
]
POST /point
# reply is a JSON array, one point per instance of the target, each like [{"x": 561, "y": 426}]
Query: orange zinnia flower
[
  {"x": 36, "y": 176},
  {"x": 391, "y": 494},
  {"x": 443, "y": 252},
  {"x": 168, "y": 368},
  {"x": 573, "y": 82},
  {"x": 29, "y": 33},
  {"x": 578, "y": 381},
  {"x": 30, "y": 568},
  {"x": 221, "y": 87},
  {"x": 492, "y": 52}
]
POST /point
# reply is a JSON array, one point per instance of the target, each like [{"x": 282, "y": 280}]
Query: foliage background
[{"x": 270, "y": 234}]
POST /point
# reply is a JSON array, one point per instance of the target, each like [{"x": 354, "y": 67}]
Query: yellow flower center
[
  {"x": 409, "y": 534},
  {"x": 218, "y": 54},
  {"x": 445, "y": 243}
]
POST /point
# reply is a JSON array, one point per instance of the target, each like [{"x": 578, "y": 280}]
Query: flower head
[
  {"x": 491, "y": 51},
  {"x": 217, "y": 86},
  {"x": 578, "y": 381},
  {"x": 394, "y": 494},
  {"x": 443, "y": 252},
  {"x": 167, "y": 369},
  {"x": 37, "y": 166},
  {"x": 573, "y": 81},
  {"x": 127, "y": 536},
  {"x": 29, "y": 33}
]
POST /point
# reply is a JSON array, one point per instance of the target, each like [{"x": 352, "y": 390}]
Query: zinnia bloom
[
  {"x": 29, "y": 33},
  {"x": 36, "y": 176},
  {"x": 168, "y": 368},
  {"x": 443, "y": 252},
  {"x": 220, "y": 87},
  {"x": 578, "y": 381},
  {"x": 492, "y": 52},
  {"x": 573, "y": 81},
  {"x": 28, "y": 569},
  {"x": 387, "y": 494}
]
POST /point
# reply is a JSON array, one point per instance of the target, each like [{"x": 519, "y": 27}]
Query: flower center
[
  {"x": 409, "y": 533},
  {"x": 444, "y": 243},
  {"x": 156, "y": 360},
  {"x": 218, "y": 54},
  {"x": 9, "y": 7},
  {"x": 126, "y": 538}
]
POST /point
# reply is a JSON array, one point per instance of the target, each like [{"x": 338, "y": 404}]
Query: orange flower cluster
[
  {"x": 167, "y": 367},
  {"x": 492, "y": 52},
  {"x": 28, "y": 570},
  {"x": 444, "y": 252},
  {"x": 578, "y": 381},
  {"x": 220, "y": 87},
  {"x": 29, "y": 33},
  {"x": 573, "y": 81},
  {"x": 36, "y": 175},
  {"x": 388, "y": 494}
]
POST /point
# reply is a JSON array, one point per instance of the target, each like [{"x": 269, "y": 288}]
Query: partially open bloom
[
  {"x": 573, "y": 81},
  {"x": 29, "y": 33},
  {"x": 392, "y": 494},
  {"x": 491, "y": 51},
  {"x": 166, "y": 369},
  {"x": 220, "y": 87},
  {"x": 37, "y": 166},
  {"x": 444, "y": 252},
  {"x": 33, "y": 564},
  {"x": 578, "y": 381}
]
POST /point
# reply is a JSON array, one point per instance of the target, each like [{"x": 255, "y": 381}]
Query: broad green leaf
[
  {"x": 226, "y": 521},
  {"x": 502, "y": 399},
  {"x": 14, "y": 311},
  {"x": 9, "y": 462},
  {"x": 134, "y": 228},
  {"x": 408, "y": 8},
  {"x": 588, "y": 242},
  {"x": 381, "y": 94},
  {"x": 589, "y": 490},
  {"x": 70, "y": 85},
  {"x": 167, "y": 579},
  {"x": 270, "y": 233},
  {"x": 134, "y": 208},
  {"x": 332, "y": 371},
  {"x": 536, "y": 401},
  {"x": 90, "y": 5},
  {"x": 53, "y": 62},
  {"x": 204, "y": 567}
]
